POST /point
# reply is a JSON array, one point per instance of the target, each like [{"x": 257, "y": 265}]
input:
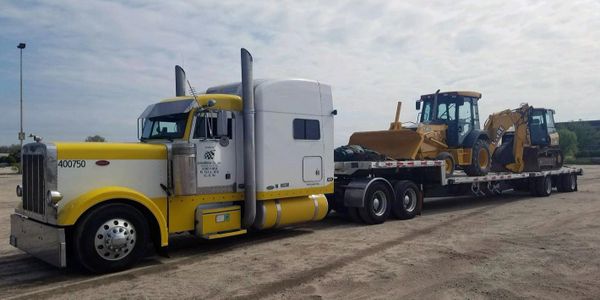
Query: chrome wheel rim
[
  {"x": 410, "y": 200},
  {"x": 379, "y": 203},
  {"x": 115, "y": 239}
]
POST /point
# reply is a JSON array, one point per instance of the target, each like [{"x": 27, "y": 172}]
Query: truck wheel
[
  {"x": 449, "y": 160},
  {"x": 543, "y": 186},
  {"x": 110, "y": 238},
  {"x": 569, "y": 183},
  {"x": 561, "y": 183},
  {"x": 408, "y": 200},
  {"x": 378, "y": 204},
  {"x": 532, "y": 182},
  {"x": 480, "y": 159}
]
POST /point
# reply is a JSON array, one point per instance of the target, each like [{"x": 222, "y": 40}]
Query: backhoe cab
[{"x": 448, "y": 130}]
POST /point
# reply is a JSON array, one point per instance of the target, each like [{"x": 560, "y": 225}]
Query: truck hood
[{"x": 110, "y": 151}]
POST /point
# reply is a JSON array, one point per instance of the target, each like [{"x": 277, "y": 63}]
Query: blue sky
[{"x": 92, "y": 67}]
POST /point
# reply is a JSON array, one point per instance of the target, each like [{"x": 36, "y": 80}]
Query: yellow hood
[{"x": 110, "y": 151}]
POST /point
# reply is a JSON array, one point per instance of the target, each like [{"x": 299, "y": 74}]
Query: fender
[
  {"x": 473, "y": 136},
  {"x": 74, "y": 209},
  {"x": 354, "y": 195}
]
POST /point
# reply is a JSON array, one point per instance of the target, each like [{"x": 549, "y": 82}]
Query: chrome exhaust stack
[
  {"x": 249, "y": 139},
  {"x": 180, "y": 81}
]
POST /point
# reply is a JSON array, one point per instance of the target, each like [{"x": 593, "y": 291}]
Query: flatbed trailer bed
[{"x": 362, "y": 186}]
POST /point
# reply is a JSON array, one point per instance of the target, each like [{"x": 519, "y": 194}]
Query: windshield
[
  {"x": 446, "y": 111},
  {"x": 165, "y": 120},
  {"x": 449, "y": 108},
  {"x": 164, "y": 127}
]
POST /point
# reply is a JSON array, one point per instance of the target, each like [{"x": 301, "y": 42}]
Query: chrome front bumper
[{"x": 40, "y": 240}]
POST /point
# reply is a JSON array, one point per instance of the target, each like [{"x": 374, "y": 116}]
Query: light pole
[{"x": 21, "y": 46}]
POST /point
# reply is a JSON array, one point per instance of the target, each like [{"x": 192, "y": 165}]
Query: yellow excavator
[
  {"x": 524, "y": 139},
  {"x": 448, "y": 130}
]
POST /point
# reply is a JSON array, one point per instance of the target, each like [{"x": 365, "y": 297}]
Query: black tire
[
  {"x": 449, "y": 159},
  {"x": 127, "y": 224},
  {"x": 569, "y": 183},
  {"x": 408, "y": 201},
  {"x": 543, "y": 186},
  {"x": 480, "y": 150},
  {"x": 561, "y": 183},
  {"x": 378, "y": 204},
  {"x": 532, "y": 182}
]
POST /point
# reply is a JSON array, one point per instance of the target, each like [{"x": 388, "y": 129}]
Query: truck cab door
[{"x": 215, "y": 141}]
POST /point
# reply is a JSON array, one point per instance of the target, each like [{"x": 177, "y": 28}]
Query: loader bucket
[{"x": 396, "y": 144}]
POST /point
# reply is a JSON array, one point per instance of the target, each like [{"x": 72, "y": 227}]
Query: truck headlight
[{"x": 53, "y": 197}]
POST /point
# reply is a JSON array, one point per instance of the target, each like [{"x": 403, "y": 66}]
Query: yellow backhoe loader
[
  {"x": 448, "y": 130},
  {"x": 524, "y": 139}
]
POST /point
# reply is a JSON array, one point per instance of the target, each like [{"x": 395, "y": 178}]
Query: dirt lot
[{"x": 503, "y": 247}]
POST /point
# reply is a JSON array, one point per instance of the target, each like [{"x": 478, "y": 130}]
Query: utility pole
[{"x": 21, "y": 46}]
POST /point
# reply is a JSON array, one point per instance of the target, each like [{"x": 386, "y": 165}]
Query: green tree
[
  {"x": 587, "y": 136},
  {"x": 568, "y": 142},
  {"x": 10, "y": 149},
  {"x": 95, "y": 138}
]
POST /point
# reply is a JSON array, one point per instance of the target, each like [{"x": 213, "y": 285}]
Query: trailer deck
[{"x": 349, "y": 168}]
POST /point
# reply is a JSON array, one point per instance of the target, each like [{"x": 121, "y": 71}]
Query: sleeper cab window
[{"x": 306, "y": 129}]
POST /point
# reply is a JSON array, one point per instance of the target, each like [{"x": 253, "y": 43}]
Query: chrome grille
[{"x": 33, "y": 183}]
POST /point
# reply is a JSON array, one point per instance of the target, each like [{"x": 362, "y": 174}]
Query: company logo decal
[{"x": 209, "y": 154}]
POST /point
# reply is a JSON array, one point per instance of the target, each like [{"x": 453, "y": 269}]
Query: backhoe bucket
[{"x": 396, "y": 144}]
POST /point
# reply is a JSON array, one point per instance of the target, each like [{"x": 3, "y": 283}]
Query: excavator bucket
[{"x": 396, "y": 144}]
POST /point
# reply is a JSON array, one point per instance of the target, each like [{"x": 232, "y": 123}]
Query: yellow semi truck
[{"x": 244, "y": 156}]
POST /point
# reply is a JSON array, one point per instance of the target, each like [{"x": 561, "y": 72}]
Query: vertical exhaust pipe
[
  {"x": 179, "y": 81},
  {"x": 249, "y": 139},
  {"x": 435, "y": 105}
]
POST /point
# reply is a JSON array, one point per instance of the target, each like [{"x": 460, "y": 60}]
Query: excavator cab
[{"x": 541, "y": 127}]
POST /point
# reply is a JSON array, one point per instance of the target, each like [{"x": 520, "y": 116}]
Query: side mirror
[
  {"x": 221, "y": 123},
  {"x": 418, "y": 105}
]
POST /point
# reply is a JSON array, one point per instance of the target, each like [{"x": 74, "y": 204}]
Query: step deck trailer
[{"x": 370, "y": 191}]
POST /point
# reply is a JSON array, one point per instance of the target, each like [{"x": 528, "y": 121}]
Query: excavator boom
[{"x": 498, "y": 124}]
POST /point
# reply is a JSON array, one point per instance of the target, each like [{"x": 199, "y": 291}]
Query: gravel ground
[{"x": 513, "y": 246}]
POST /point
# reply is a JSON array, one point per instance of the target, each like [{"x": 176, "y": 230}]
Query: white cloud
[{"x": 91, "y": 67}]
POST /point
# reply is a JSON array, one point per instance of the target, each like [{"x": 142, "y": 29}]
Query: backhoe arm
[{"x": 499, "y": 123}]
